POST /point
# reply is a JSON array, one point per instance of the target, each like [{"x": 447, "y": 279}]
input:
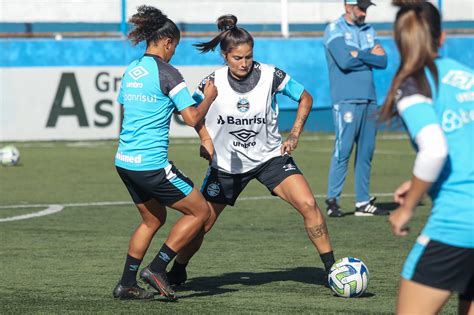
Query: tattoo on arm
[{"x": 317, "y": 231}]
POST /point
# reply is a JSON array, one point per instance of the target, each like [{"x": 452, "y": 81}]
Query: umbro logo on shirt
[
  {"x": 243, "y": 134},
  {"x": 138, "y": 72}
]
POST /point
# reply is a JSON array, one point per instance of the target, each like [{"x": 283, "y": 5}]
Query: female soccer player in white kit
[
  {"x": 434, "y": 97},
  {"x": 242, "y": 125}
]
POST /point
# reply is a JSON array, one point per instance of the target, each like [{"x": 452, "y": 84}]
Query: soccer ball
[
  {"x": 9, "y": 155},
  {"x": 348, "y": 277}
]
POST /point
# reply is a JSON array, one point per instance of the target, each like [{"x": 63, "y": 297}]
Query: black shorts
[
  {"x": 441, "y": 266},
  {"x": 224, "y": 188},
  {"x": 167, "y": 185}
]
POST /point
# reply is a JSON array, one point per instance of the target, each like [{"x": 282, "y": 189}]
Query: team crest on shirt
[
  {"x": 213, "y": 189},
  {"x": 243, "y": 104},
  {"x": 370, "y": 39},
  {"x": 348, "y": 117}
]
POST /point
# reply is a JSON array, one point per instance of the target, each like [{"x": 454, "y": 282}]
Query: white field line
[{"x": 51, "y": 209}]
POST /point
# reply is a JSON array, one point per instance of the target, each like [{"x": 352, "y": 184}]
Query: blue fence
[{"x": 302, "y": 58}]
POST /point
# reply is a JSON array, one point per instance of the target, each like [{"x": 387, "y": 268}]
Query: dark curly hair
[{"x": 150, "y": 25}]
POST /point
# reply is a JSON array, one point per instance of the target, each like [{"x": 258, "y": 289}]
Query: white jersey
[{"x": 243, "y": 125}]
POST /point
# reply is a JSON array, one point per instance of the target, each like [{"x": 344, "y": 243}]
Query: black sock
[
  {"x": 162, "y": 259},
  {"x": 178, "y": 267},
  {"x": 129, "y": 276},
  {"x": 328, "y": 260}
]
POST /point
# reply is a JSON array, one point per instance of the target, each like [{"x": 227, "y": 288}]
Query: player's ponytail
[
  {"x": 230, "y": 36},
  {"x": 417, "y": 35},
  {"x": 151, "y": 25}
]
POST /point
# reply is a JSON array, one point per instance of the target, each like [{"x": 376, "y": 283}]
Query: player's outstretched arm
[
  {"x": 192, "y": 116},
  {"x": 304, "y": 108}
]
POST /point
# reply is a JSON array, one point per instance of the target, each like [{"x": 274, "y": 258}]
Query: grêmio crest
[{"x": 243, "y": 104}]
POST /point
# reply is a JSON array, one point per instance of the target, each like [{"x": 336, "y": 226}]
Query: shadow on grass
[
  {"x": 215, "y": 285},
  {"x": 387, "y": 205}
]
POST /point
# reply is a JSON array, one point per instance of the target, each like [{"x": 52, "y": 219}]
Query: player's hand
[
  {"x": 289, "y": 145},
  {"x": 401, "y": 192},
  {"x": 210, "y": 90},
  {"x": 206, "y": 150},
  {"x": 398, "y": 220},
  {"x": 378, "y": 50}
]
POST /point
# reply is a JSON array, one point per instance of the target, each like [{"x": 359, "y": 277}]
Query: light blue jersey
[
  {"x": 351, "y": 77},
  {"x": 151, "y": 90},
  {"x": 452, "y": 108}
]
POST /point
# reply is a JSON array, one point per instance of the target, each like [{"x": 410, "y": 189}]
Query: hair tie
[{"x": 228, "y": 27}]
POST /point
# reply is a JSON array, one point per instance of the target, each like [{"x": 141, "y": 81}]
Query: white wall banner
[{"x": 71, "y": 103}]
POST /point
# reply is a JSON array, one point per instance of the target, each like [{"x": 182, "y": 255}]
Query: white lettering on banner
[
  {"x": 129, "y": 158},
  {"x": 73, "y": 103},
  {"x": 453, "y": 120}
]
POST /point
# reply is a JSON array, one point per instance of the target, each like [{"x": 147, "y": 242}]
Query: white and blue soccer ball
[
  {"x": 348, "y": 277},
  {"x": 9, "y": 155}
]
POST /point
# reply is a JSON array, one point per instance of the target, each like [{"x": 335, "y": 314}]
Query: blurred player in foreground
[{"x": 432, "y": 94}]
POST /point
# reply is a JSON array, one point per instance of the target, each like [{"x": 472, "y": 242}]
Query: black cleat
[
  {"x": 333, "y": 208},
  {"x": 177, "y": 276},
  {"x": 369, "y": 210},
  {"x": 159, "y": 281},
  {"x": 134, "y": 292}
]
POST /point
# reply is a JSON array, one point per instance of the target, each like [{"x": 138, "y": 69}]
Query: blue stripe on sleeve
[
  {"x": 183, "y": 99},
  {"x": 418, "y": 116},
  {"x": 198, "y": 98},
  {"x": 293, "y": 89}
]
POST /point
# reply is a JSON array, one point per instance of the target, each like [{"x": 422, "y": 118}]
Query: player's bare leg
[
  {"x": 177, "y": 274},
  {"x": 416, "y": 298},
  {"x": 296, "y": 191},
  {"x": 466, "y": 307},
  {"x": 196, "y": 213}
]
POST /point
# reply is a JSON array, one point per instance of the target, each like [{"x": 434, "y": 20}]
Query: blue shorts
[
  {"x": 441, "y": 266},
  {"x": 167, "y": 185}
]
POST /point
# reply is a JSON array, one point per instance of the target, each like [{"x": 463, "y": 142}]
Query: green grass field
[{"x": 257, "y": 259}]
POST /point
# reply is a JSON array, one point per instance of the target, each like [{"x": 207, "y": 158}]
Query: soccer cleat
[
  {"x": 369, "y": 209},
  {"x": 134, "y": 292},
  {"x": 333, "y": 208},
  {"x": 159, "y": 281},
  {"x": 177, "y": 276}
]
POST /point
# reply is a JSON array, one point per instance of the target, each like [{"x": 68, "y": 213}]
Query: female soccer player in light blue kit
[
  {"x": 151, "y": 90},
  {"x": 434, "y": 97}
]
